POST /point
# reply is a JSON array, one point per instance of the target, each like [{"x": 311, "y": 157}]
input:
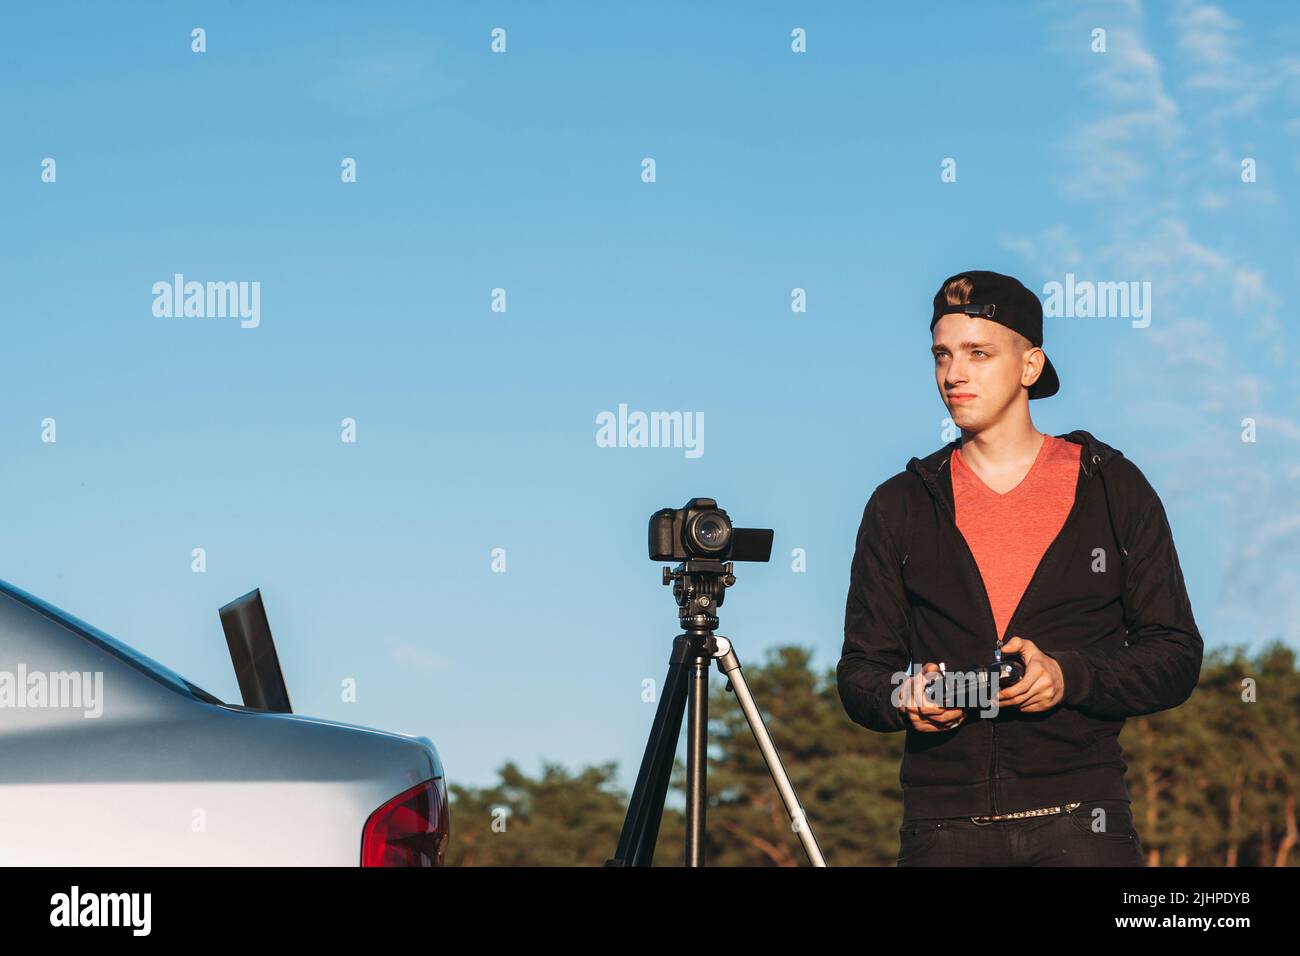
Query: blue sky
[{"x": 522, "y": 171}]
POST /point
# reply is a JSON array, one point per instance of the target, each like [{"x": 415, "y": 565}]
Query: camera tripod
[{"x": 699, "y": 588}]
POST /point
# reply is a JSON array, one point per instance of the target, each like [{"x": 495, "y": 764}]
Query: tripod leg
[
  {"x": 697, "y": 761},
  {"x": 729, "y": 664},
  {"x": 636, "y": 841}
]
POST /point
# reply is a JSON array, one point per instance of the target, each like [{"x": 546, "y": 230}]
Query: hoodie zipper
[
  {"x": 1085, "y": 453},
  {"x": 993, "y": 624},
  {"x": 1074, "y": 510}
]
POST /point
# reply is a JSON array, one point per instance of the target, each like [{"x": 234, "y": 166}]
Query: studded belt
[{"x": 1041, "y": 812}]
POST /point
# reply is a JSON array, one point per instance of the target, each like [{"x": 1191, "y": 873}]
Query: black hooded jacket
[{"x": 1107, "y": 602}]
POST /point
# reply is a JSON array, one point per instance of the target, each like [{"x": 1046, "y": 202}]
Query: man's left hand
[{"x": 1043, "y": 685}]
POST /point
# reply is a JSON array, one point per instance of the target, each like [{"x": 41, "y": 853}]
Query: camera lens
[{"x": 710, "y": 532}]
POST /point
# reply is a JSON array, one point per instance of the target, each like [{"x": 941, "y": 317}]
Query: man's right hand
[{"x": 925, "y": 716}]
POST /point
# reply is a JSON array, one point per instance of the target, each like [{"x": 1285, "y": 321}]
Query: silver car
[{"x": 109, "y": 758}]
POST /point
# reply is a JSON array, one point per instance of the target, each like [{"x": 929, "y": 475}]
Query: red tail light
[{"x": 409, "y": 830}]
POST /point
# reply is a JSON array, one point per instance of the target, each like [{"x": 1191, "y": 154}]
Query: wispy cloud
[
  {"x": 1226, "y": 79},
  {"x": 1206, "y": 37},
  {"x": 418, "y": 657},
  {"x": 1228, "y": 88},
  {"x": 1210, "y": 358},
  {"x": 376, "y": 81},
  {"x": 1111, "y": 154}
]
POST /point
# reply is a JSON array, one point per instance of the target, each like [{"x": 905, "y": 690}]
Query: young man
[{"x": 1011, "y": 541}]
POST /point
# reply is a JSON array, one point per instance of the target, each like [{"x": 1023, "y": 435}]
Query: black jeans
[{"x": 1078, "y": 837}]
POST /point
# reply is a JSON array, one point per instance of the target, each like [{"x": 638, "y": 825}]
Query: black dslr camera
[
  {"x": 966, "y": 690},
  {"x": 702, "y": 530}
]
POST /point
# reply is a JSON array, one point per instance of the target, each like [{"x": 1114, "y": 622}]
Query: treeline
[{"x": 1214, "y": 782}]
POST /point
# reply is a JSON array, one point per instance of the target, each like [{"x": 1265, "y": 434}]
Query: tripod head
[
  {"x": 699, "y": 587},
  {"x": 702, "y": 537}
]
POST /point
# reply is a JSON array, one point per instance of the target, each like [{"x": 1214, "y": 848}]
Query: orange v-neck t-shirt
[{"x": 1008, "y": 534}]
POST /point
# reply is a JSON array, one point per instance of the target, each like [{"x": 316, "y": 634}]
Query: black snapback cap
[{"x": 1004, "y": 300}]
